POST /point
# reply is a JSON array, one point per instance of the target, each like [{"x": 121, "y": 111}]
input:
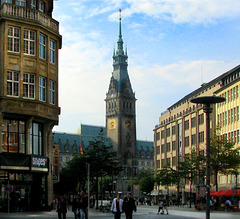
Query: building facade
[
  {"x": 121, "y": 115},
  {"x": 29, "y": 44},
  {"x": 182, "y": 128},
  {"x": 66, "y": 145},
  {"x": 227, "y": 117}
]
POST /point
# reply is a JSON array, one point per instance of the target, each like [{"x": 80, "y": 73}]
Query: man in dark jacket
[{"x": 129, "y": 206}]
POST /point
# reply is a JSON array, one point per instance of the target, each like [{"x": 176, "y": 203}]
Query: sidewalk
[{"x": 141, "y": 209}]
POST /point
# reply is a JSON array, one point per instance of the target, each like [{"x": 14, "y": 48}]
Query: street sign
[{"x": 8, "y": 188}]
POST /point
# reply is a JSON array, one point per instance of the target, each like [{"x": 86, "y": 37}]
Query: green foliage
[
  {"x": 224, "y": 156},
  {"x": 145, "y": 180},
  {"x": 102, "y": 159},
  {"x": 167, "y": 176}
]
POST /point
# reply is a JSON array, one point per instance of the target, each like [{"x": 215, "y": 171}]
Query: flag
[{"x": 81, "y": 149}]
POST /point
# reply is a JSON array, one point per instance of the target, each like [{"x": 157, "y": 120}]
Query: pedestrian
[
  {"x": 160, "y": 207},
  {"x": 84, "y": 206},
  {"x": 76, "y": 207},
  {"x": 117, "y": 207},
  {"x": 61, "y": 207},
  {"x": 165, "y": 205},
  {"x": 129, "y": 206},
  {"x": 228, "y": 204}
]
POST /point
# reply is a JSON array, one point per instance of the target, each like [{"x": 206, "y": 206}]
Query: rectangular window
[
  {"x": 162, "y": 148},
  {"x": 13, "y": 39},
  {"x": 194, "y": 140},
  {"x": 7, "y": 1},
  {"x": 29, "y": 85},
  {"x": 168, "y": 132},
  {"x": 193, "y": 122},
  {"x": 186, "y": 141},
  {"x": 168, "y": 147},
  {"x": 201, "y": 137},
  {"x": 174, "y": 161},
  {"x": 42, "y": 88},
  {"x": 174, "y": 145},
  {"x": 36, "y": 139},
  {"x": 13, "y": 83},
  {"x": 201, "y": 119},
  {"x": 13, "y": 136},
  {"x": 158, "y": 136},
  {"x": 162, "y": 134},
  {"x": 21, "y": 3},
  {"x": 52, "y": 51},
  {"x": 173, "y": 130},
  {"x": 42, "y": 46},
  {"x": 41, "y": 6},
  {"x": 186, "y": 125},
  {"x": 158, "y": 150},
  {"x": 29, "y": 42},
  {"x": 33, "y": 4},
  {"x": 52, "y": 92}
]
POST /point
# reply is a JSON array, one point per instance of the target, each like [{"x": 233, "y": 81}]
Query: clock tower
[{"x": 121, "y": 115}]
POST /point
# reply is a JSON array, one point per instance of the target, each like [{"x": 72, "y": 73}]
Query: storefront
[{"x": 26, "y": 175}]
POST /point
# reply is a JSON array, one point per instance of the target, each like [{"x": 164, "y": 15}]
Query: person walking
[
  {"x": 84, "y": 206},
  {"x": 165, "y": 205},
  {"x": 129, "y": 206},
  {"x": 76, "y": 207},
  {"x": 160, "y": 207},
  {"x": 117, "y": 207},
  {"x": 61, "y": 207}
]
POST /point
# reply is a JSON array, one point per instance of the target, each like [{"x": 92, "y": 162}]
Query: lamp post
[{"x": 207, "y": 101}]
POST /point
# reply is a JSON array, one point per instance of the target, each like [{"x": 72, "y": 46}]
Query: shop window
[
  {"x": 36, "y": 139},
  {"x": 13, "y": 136}
]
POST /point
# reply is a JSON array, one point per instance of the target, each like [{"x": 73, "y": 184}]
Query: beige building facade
[
  {"x": 29, "y": 44},
  {"x": 182, "y": 128}
]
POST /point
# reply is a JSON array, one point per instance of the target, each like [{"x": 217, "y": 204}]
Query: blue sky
[{"x": 173, "y": 47}]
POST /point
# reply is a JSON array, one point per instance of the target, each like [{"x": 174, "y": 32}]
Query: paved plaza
[{"x": 143, "y": 212}]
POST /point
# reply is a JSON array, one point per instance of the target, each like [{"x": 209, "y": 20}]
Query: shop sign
[{"x": 39, "y": 163}]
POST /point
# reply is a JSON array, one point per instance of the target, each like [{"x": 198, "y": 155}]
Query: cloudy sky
[{"x": 173, "y": 47}]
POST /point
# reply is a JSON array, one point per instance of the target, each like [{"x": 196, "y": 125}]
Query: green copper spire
[{"x": 120, "y": 40}]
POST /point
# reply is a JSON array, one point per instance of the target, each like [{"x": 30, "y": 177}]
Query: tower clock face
[
  {"x": 112, "y": 124},
  {"x": 128, "y": 124}
]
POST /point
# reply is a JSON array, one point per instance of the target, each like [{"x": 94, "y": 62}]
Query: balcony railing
[{"x": 15, "y": 11}]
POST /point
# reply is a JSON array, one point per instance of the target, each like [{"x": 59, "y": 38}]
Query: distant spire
[{"x": 120, "y": 41}]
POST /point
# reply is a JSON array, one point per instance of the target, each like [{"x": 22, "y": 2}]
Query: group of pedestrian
[
  {"x": 79, "y": 206},
  {"x": 161, "y": 206},
  {"x": 126, "y": 205}
]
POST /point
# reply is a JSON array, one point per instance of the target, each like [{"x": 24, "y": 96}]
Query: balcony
[{"x": 14, "y": 11}]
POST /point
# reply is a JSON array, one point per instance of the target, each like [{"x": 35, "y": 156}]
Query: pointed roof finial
[{"x": 120, "y": 41}]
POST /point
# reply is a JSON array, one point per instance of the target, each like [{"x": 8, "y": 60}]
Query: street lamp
[{"x": 207, "y": 101}]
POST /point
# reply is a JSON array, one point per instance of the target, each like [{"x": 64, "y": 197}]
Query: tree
[
  {"x": 167, "y": 176},
  {"x": 145, "y": 180},
  {"x": 192, "y": 168},
  {"x": 224, "y": 158},
  {"x": 102, "y": 159}
]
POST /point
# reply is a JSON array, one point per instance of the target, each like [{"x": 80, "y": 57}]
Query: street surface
[{"x": 143, "y": 212}]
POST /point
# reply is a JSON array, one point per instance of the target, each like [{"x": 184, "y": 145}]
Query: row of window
[
  {"x": 29, "y": 86},
  {"x": 29, "y": 42},
  {"x": 14, "y": 137},
  {"x": 230, "y": 95},
  {"x": 125, "y": 105},
  {"x": 22, "y": 3},
  {"x": 186, "y": 127},
  {"x": 228, "y": 117}
]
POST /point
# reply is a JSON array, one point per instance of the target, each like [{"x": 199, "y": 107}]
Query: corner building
[{"x": 29, "y": 44}]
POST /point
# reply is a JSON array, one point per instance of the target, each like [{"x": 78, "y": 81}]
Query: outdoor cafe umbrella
[{"x": 228, "y": 193}]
